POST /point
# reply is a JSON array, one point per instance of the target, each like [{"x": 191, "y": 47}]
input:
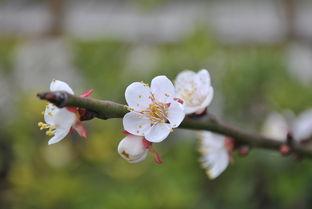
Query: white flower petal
[
  {"x": 302, "y": 127},
  {"x": 215, "y": 162},
  {"x": 59, "y": 117},
  {"x": 158, "y": 132},
  {"x": 163, "y": 89},
  {"x": 57, "y": 85},
  {"x": 138, "y": 96},
  {"x": 215, "y": 157},
  {"x": 190, "y": 109},
  {"x": 139, "y": 159},
  {"x": 136, "y": 123},
  {"x": 175, "y": 114},
  {"x": 208, "y": 99},
  {"x": 64, "y": 118},
  {"x": 183, "y": 78},
  {"x": 204, "y": 77},
  {"x": 199, "y": 109},
  {"x": 211, "y": 140},
  {"x": 49, "y": 113},
  {"x": 61, "y": 133}
]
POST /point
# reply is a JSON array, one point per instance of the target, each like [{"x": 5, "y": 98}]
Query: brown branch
[{"x": 107, "y": 109}]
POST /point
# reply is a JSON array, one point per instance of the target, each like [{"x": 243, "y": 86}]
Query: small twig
[{"x": 107, "y": 109}]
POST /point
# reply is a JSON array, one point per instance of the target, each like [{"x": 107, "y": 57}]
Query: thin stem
[{"x": 107, "y": 109}]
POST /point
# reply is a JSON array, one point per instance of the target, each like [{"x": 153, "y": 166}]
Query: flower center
[
  {"x": 192, "y": 96},
  {"x": 51, "y": 129},
  {"x": 157, "y": 112}
]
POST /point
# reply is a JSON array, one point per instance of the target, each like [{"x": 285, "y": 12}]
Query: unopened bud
[
  {"x": 285, "y": 149},
  {"x": 244, "y": 150},
  {"x": 132, "y": 149}
]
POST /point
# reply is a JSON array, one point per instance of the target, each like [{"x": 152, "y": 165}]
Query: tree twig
[{"x": 107, "y": 109}]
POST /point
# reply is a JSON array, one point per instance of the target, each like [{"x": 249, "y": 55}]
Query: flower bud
[
  {"x": 285, "y": 149},
  {"x": 244, "y": 150},
  {"x": 132, "y": 149}
]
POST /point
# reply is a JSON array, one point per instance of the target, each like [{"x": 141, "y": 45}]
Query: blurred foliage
[
  {"x": 148, "y": 5},
  {"x": 7, "y": 49},
  {"x": 78, "y": 173}
]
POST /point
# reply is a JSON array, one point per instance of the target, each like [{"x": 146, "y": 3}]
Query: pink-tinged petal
[
  {"x": 158, "y": 132},
  {"x": 60, "y": 134},
  {"x": 136, "y": 123},
  {"x": 80, "y": 129},
  {"x": 175, "y": 114},
  {"x": 57, "y": 85},
  {"x": 87, "y": 93},
  {"x": 138, "y": 96},
  {"x": 163, "y": 89}
]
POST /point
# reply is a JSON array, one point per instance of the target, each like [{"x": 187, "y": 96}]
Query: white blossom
[
  {"x": 302, "y": 126},
  {"x": 195, "y": 90},
  {"x": 155, "y": 110},
  {"x": 132, "y": 148},
  {"x": 275, "y": 127},
  {"x": 59, "y": 121},
  {"x": 215, "y": 153}
]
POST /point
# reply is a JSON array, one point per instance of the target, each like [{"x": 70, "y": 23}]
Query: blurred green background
[{"x": 250, "y": 79}]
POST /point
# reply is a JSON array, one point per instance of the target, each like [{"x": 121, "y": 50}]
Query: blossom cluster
[
  {"x": 158, "y": 108},
  {"x": 155, "y": 110}
]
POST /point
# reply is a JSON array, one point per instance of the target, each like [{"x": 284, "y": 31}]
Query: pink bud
[
  {"x": 285, "y": 149},
  {"x": 244, "y": 150}
]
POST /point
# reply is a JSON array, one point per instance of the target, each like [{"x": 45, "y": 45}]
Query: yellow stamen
[
  {"x": 157, "y": 112},
  {"x": 51, "y": 128}
]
